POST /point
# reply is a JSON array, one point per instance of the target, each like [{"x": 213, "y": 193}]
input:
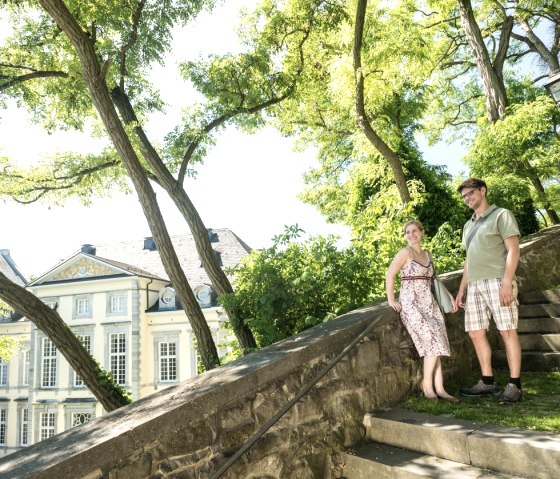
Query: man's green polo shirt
[{"x": 486, "y": 256}]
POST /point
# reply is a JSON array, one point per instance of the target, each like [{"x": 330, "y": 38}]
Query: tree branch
[
  {"x": 131, "y": 41},
  {"x": 59, "y": 183},
  {"x": 30, "y": 76}
]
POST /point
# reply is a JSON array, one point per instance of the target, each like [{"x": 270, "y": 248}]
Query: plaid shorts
[{"x": 483, "y": 301}]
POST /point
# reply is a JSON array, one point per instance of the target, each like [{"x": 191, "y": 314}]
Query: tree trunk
[
  {"x": 98, "y": 89},
  {"x": 495, "y": 92},
  {"x": 492, "y": 77},
  {"x": 382, "y": 147},
  {"x": 183, "y": 203},
  {"x": 50, "y": 323},
  {"x": 539, "y": 188},
  {"x": 549, "y": 58}
]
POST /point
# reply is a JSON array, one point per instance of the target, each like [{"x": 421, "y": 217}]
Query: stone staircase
[
  {"x": 539, "y": 332},
  {"x": 404, "y": 444}
]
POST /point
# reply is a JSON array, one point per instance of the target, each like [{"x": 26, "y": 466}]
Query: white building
[{"x": 118, "y": 300}]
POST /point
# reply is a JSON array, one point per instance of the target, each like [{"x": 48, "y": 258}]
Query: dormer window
[
  {"x": 167, "y": 299},
  {"x": 205, "y": 295}
]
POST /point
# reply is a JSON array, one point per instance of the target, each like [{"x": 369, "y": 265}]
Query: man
[{"x": 491, "y": 238}]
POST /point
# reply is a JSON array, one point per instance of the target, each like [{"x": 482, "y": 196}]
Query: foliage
[
  {"x": 292, "y": 285},
  {"x": 8, "y": 347},
  {"x": 380, "y": 228},
  {"x": 63, "y": 175},
  {"x": 513, "y": 193},
  {"x": 106, "y": 380},
  {"x": 523, "y": 144}
]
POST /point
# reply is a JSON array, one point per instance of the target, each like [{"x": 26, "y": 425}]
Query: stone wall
[{"x": 189, "y": 430}]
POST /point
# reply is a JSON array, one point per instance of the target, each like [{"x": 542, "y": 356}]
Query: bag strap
[
  {"x": 477, "y": 226},
  {"x": 433, "y": 265}
]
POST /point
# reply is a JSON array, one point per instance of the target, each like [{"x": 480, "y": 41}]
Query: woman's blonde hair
[{"x": 413, "y": 222}]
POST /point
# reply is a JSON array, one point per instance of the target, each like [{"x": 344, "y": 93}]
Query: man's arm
[
  {"x": 512, "y": 259},
  {"x": 460, "y": 298}
]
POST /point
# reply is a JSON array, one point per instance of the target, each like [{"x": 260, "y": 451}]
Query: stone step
[
  {"x": 380, "y": 461},
  {"x": 530, "y": 360},
  {"x": 531, "y": 454},
  {"x": 538, "y": 297},
  {"x": 539, "y": 325},
  {"x": 540, "y": 342},
  {"x": 539, "y": 310}
]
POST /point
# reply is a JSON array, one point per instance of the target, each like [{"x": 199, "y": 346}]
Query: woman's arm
[{"x": 396, "y": 265}]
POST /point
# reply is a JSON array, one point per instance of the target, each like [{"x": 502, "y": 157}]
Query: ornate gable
[
  {"x": 84, "y": 268},
  {"x": 78, "y": 267}
]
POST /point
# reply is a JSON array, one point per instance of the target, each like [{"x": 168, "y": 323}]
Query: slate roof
[
  {"x": 229, "y": 247},
  {"x": 10, "y": 269}
]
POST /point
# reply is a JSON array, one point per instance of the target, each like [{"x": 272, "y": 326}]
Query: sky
[{"x": 265, "y": 169}]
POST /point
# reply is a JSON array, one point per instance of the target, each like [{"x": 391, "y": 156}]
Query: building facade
[{"x": 117, "y": 300}]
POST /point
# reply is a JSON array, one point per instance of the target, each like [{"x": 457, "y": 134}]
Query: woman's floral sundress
[{"x": 420, "y": 313}]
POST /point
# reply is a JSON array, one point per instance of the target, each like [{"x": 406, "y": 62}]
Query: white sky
[{"x": 248, "y": 183}]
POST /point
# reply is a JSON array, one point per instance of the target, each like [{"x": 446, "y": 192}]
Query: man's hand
[{"x": 506, "y": 293}]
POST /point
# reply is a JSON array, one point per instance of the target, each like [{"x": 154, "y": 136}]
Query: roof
[
  {"x": 9, "y": 268},
  {"x": 141, "y": 258},
  {"x": 133, "y": 255}
]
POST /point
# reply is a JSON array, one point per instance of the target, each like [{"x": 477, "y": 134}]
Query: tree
[
  {"x": 362, "y": 79},
  {"x": 494, "y": 44},
  {"x": 490, "y": 69},
  {"x": 95, "y": 78},
  {"x": 363, "y": 121},
  {"x": 524, "y": 142}
]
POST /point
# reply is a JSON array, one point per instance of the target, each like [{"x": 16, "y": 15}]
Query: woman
[{"x": 420, "y": 313}]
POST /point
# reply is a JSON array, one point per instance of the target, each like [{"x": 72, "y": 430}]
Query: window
[
  {"x": 25, "y": 368},
  {"x": 116, "y": 303},
  {"x": 3, "y": 373},
  {"x": 167, "y": 362},
  {"x": 117, "y": 357},
  {"x": 47, "y": 425},
  {"x": 24, "y": 427},
  {"x": 82, "y": 306},
  {"x": 51, "y": 302},
  {"x": 48, "y": 369},
  {"x": 3, "y": 427},
  {"x": 80, "y": 418},
  {"x": 86, "y": 341}
]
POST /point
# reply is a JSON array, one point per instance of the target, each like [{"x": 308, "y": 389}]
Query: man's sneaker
[
  {"x": 481, "y": 389},
  {"x": 510, "y": 395}
]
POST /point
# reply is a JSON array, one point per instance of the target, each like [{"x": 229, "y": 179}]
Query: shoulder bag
[{"x": 440, "y": 292}]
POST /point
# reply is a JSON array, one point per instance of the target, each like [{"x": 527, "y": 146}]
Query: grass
[{"x": 539, "y": 409}]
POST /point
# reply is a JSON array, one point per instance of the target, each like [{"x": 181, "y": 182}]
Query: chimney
[
  {"x": 88, "y": 249},
  {"x": 149, "y": 243}
]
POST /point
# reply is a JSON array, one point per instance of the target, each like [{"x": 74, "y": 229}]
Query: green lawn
[{"x": 539, "y": 409}]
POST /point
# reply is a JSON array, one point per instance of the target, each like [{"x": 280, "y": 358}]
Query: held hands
[
  {"x": 455, "y": 306},
  {"x": 459, "y": 301}
]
